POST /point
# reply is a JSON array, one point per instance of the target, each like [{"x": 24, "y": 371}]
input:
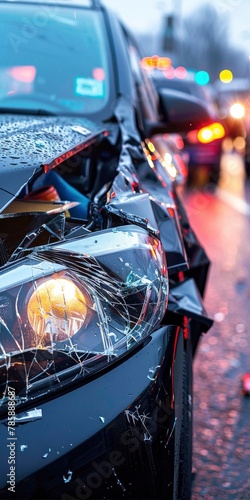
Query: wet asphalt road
[{"x": 221, "y": 457}]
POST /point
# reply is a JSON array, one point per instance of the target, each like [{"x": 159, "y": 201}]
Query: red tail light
[
  {"x": 211, "y": 133},
  {"x": 207, "y": 134}
]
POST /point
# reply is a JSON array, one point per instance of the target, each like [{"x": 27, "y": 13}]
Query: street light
[{"x": 226, "y": 76}]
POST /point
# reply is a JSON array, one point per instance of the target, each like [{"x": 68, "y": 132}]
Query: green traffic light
[{"x": 202, "y": 77}]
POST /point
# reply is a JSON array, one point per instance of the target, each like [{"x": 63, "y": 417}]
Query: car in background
[
  {"x": 102, "y": 278},
  {"x": 233, "y": 99},
  {"x": 203, "y": 146}
]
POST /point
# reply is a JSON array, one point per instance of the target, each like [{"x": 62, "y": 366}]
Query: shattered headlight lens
[{"x": 66, "y": 313}]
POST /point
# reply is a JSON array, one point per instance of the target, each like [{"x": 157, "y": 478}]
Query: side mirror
[{"x": 181, "y": 113}]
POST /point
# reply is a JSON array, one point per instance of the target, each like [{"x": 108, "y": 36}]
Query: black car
[
  {"x": 101, "y": 275},
  {"x": 203, "y": 145}
]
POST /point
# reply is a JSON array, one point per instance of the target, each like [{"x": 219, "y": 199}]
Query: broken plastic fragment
[
  {"x": 171, "y": 433},
  {"x": 135, "y": 280},
  {"x": 29, "y": 416},
  {"x": 46, "y": 454},
  {"x": 23, "y": 447},
  {"x": 118, "y": 480},
  {"x": 153, "y": 369},
  {"x": 102, "y": 419},
  {"x": 113, "y": 335},
  {"x": 68, "y": 478}
]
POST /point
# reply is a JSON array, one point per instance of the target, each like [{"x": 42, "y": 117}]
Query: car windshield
[{"x": 53, "y": 59}]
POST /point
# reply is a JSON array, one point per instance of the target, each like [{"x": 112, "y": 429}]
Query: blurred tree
[{"x": 204, "y": 43}]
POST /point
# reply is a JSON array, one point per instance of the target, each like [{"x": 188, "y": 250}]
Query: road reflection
[
  {"x": 232, "y": 183},
  {"x": 220, "y": 218}
]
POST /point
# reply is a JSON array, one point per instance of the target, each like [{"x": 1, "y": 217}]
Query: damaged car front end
[
  {"x": 89, "y": 326},
  {"x": 101, "y": 286}
]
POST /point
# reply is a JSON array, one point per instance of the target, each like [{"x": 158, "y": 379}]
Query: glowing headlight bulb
[{"x": 56, "y": 310}]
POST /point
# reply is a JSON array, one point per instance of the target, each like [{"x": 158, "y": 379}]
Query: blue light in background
[{"x": 202, "y": 78}]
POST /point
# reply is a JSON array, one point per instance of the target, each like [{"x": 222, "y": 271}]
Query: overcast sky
[{"x": 144, "y": 15}]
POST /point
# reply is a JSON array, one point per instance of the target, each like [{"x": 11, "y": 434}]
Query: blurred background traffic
[{"x": 202, "y": 50}]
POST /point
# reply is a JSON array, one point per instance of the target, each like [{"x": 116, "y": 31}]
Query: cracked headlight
[{"x": 75, "y": 307}]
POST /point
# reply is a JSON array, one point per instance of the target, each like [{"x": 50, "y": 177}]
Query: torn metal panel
[
  {"x": 129, "y": 214},
  {"x": 126, "y": 121},
  {"x": 138, "y": 175},
  {"x": 185, "y": 300},
  {"x": 131, "y": 152},
  {"x": 159, "y": 219},
  {"x": 168, "y": 225},
  {"x": 199, "y": 262}
]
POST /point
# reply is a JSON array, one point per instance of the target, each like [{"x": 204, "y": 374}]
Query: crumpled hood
[{"x": 29, "y": 143}]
